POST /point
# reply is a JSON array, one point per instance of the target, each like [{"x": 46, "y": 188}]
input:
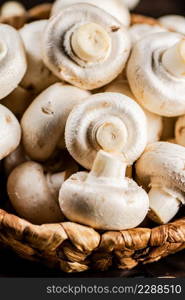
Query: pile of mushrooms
[{"x": 92, "y": 114}]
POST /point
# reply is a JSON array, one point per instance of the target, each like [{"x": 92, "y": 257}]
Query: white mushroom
[
  {"x": 43, "y": 123},
  {"x": 18, "y": 101},
  {"x": 34, "y": 194},
  {"x": 12, "y": 60},
  {"x": 10, "y": 132},
  {"x": 12, "y": 8},
  {"x": 38, "y": 77},
  {"x": 138, "y": 31},
  {"x": 104, "y": 198},
  {"x": 85, "y": 46},
  {"x": 180, "y": 131},
  {"x": 107, "y": 121},
  {"x": 117, "y": 8},
  {"x": 154, "y": 122},
  {"x": 131, "y": 4},
  {"x": 173, "y": 23},
  {"x": 156, "y": 73},
  {"x": 161, "y": 168}
]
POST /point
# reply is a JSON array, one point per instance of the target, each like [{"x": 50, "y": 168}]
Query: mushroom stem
[
  {"x": 164, "y": 204},
  {"x": 110, "y": 134},
  {"x": 173, "y": 59},
  {"x": 91, "y": 43},
  {"x": 107, "y": 165}
]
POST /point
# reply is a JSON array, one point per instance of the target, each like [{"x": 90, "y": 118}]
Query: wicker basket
[{"x": 75, "y": 248}]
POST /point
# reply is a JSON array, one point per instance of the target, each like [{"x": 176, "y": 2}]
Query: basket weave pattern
[{"x": 76, "y": 248}]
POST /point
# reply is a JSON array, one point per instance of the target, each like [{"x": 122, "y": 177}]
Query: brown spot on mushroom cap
[
  {"x": 8, "y": 118},
  {"x": 114, "y": 28}
]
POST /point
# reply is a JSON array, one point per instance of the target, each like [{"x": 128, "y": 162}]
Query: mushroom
[
  {"x": 104, "y": 198},
  {"x": 154, "y": 122},
  {"x": 85, "y": 46},
  {"x": 108, "y": 121},
  {"x": 138, "y": 31},
  {"x": 18, "y": 101},
  {"x": 161, "y": 168},
  {"x": 173, "y": 23},
  {"x": 43, "y": 123},
  {"x": 34, "y": 194},
  {"x": 12, "y": 8},
  {"x": 13, "y": 13},
  {"x": 156, "y": 73},
  {"x": 14, "y": 159},
  {"x": 10, "y": 132},
  {"x": 117, "y": 8},
  {"x": 12, "y": 60},
  {"x": 131, "y": 4},
  {"x": 38, "y": 77},
  {"x": 180, "y": 131}
]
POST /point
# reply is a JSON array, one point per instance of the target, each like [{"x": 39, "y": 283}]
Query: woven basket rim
[{"x": 74, "y": 247}]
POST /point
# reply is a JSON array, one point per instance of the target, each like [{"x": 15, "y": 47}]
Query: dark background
[
  {"x": 154, "y": 8},
  {"x": 12, "y": 266}
]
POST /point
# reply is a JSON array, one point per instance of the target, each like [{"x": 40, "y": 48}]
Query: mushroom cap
[
  {"x": 113, "y": 206},
  {"x": 154, "y": 122},
  {"x": 138, "y": 31},
  {"x": 180, "y": 131},
  {"x": 12, "y": 8},
  {"x": 173, "y": 23},
  {"x": 66, "y": 65},
  {"x": 131, "y": 4},
  {"x": 43, "y": 123},
  {"x": 10, "y": 132},
  {"x": 105, "y": 109},
  {"x": 156, "y": 89},
  {"x": 38, "y": 77},
  {"x": 12, "y": 60},
  {"x": 162, "y": 161},
  {"x": 37, "y": 204},
  {"x": 117, "y": 8}
]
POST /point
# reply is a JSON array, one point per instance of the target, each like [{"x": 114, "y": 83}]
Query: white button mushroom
[
  {"x": 43, "y": 123},
  {"x": 104, "y": 199},
  {"x": 161, "y": 168},
  {"x": 12, "y": 8},
  {"x": 116, "y": 8},
  {"x": 154, "y": 122},
  {"x": 10, "y": 132},
  {"x": 14, "y": 159},
  {"x": 138, "y": 31},
  {"x": 38, "y": 77},
  {"x": 156, "y": 73},
  {"x": 107, "y": 121},
  {"x": 173, "y": 23},
  {"x": 34, "y": 194},
  {"x": 12, "y": 60},
  {"x": 85, "y": 46},
  {"x": 180, "y": 131},
  {"x": 131, "y": 4}
]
